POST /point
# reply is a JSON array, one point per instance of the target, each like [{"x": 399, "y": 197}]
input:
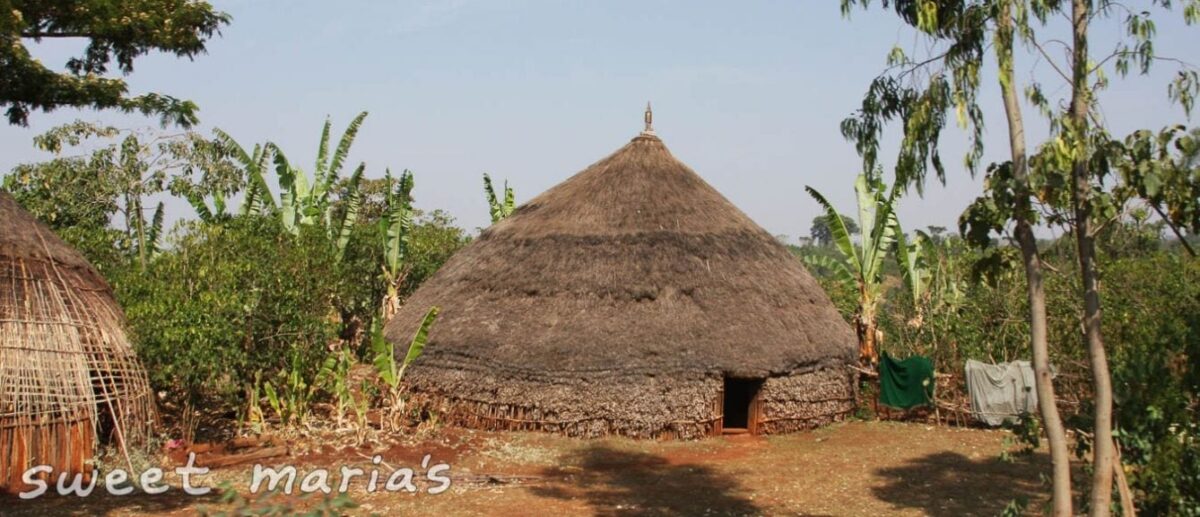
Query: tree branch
[
  {"x": 1118, "y": 53},
  {"x": 1046, "y": 56},
  {"x": 41, "y": 35},
  {"x": 1182, "y": 240}
]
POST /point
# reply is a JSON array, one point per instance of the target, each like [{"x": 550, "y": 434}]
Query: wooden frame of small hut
[
  {"x": 68, "y": 376},
  {"x": 632, "y": 299}
]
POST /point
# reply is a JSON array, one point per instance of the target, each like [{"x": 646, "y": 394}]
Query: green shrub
[
  {"x": 228, "y": 301},
  {"x": 1151, "y": 297},
  {"x": 1153, "y": 326}
]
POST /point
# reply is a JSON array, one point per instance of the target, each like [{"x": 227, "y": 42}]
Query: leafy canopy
[{"x": 118, "y": 31}]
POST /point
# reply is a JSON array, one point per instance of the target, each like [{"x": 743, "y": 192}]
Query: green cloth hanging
[{"x": 907, "y": 383}]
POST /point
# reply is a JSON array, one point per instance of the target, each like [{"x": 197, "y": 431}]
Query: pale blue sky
[{"x": 749, "y": 94}]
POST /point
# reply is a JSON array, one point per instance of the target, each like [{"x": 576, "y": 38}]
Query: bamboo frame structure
[{"x": 68, "y": 375}]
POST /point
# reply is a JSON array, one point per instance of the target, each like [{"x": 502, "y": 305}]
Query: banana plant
[
  {"x": 258, "y": 198},
  {"x": 396, "y": 225},
  {"x": 390, "y": 371},
  {"x": 948, "y": 289},
  {"x": 334, "y": 376},
  {"x": 210, "y": 215},
  {"x": 914, "y": 261},
  {"x": 862, "y": 265},
  {"x": 148, "y": 241},
  {"x": 258, "y": 195},
  {"x": 354, "y": 202},
  {"x": 293, "y": 398},
  {"x": 498, "y": 209},
  {"x": 305, "y": 202}
]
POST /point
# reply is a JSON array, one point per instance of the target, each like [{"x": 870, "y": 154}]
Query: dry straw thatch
[
  {"x": 617, "y": 302},
  {"x": 68, "y": 376}
]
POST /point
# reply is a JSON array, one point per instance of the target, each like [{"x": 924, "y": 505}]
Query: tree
[
  {"x": 116, "y": 178},
  {"x": 962, "y": 31},
  {"x": 77, "y": 198},
  {"x": 116, "y": 30},
  {"x": 862, "y": 266},
  {"x": 822, "y": 233},
  {"x": 1080, "y": 156},
  {"x": 1064, "y": 175}
]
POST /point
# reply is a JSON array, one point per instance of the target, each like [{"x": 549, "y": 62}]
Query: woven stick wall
[{"x": 68, "y": 375}]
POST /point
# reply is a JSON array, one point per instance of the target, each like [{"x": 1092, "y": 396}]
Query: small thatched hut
[
  {"x": 631, "y": 299},
  {"x": 68, "y": 377}
]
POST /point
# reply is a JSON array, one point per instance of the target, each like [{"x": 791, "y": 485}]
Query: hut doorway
[{"x": 740, "y": 406}]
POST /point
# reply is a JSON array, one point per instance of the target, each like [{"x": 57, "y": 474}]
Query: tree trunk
[
  {"x": 140, "y": 221},
  {"x": 867, "y": 330},
  {"x": 1102, "y": 444},
  {"x": 1056, "y": 435}
]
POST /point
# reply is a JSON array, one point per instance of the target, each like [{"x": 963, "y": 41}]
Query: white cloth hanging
[{"x": 1001, "y": 392}]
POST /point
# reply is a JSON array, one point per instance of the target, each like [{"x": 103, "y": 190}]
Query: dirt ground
[{"x": 856, "y": 468}]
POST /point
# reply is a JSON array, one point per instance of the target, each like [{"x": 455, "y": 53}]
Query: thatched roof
[
  {"x": 635, "y": 266},
  {"x": 23, "y": 236},
  {"x": 64, "y": 357}
]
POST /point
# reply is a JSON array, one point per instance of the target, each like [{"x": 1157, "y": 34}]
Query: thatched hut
[
  {"x": 631, "y": 299},
  {"x": 68, "y": 376}
]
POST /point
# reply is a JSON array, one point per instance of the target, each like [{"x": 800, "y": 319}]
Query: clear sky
[{"x": 750, "y": 94}]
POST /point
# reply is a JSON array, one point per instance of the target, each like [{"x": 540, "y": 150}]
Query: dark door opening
[{"x": 740, "y": 396}]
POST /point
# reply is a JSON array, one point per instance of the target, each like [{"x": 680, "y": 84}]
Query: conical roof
[
  {"x": 23, "y": 236},
  {"x": 635, "y": 266}
]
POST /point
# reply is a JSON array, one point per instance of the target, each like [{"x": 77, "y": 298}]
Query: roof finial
[{"x": 649, "y": 121}]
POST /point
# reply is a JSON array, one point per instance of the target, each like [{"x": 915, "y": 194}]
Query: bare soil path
[{"x": 856, "y": 468}]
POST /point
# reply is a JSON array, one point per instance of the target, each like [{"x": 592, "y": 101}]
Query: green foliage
[
  {"x": 396, "y": 226},
  {"x": 302, "y": 202},
  {"x": 391, "y": 371},
  {"x": 1155, "y": 319},
  {"x": 821, "y": 229},
  {"x": 397, "y": 222},
  {"x": 295, "y": 394},
  {"x": 1163, "y": 170},
  {"x": 116, "y": 31},
  {"x": 913, "y": 260},
  {"x": 222, "y": 179},
  {"x": 334, "y": 378},
  {"x": 918, "y": 94},
  {"x": 499, "y": 209},
  {"x": 384, "y": 352},
  {"x": 276, "y": 504},
  {"x": 228, "y": 301},
  {"x": 434, "y": 240},
  {"x": 240, "y": 307},
  {"x": 862, "y": 266},
  {"x": 1028, "y": 433},
  {"x": 79, "y": 196},
  {"x": 1015, "y": 507},
  {"x": 66, "y": 192},
  {"x": 392, "y": 250},
  {"x": 1152, "y": 315}
]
